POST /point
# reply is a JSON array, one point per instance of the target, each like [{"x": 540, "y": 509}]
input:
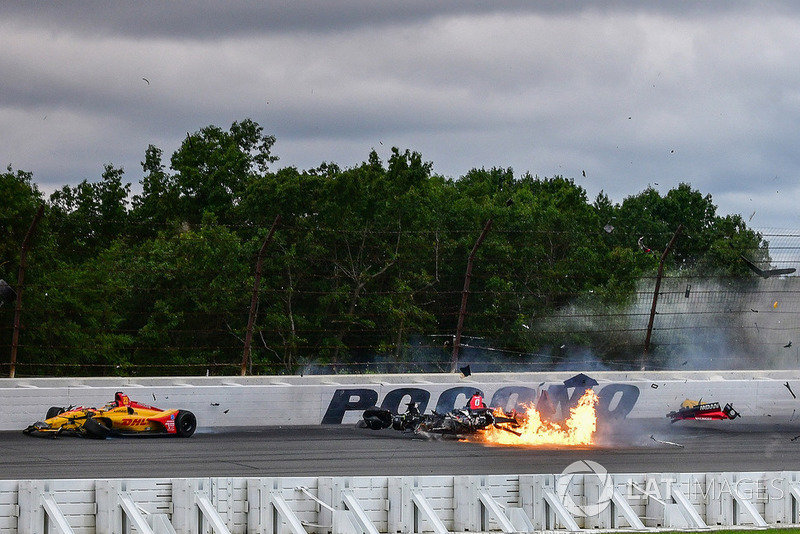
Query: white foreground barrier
[{"x": 376, "y": 505}]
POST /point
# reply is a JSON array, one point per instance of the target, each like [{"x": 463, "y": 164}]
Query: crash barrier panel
[
  {"x": 571, "y": 501},
  {"x": 226, "y": 402}
]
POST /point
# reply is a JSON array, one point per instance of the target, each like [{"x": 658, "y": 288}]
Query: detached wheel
[
  {"x": 54, "y": 411},
  {"x": 94, "y": 429},
  {"x": 185, "y": 424}
]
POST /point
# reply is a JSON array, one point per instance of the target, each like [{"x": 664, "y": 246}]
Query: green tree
[
  {"x": 20, "y": 200},
  {"x": 214, "y": 169},
  {"x": 160, "y": 198},
  {"x": 87, "y": 218},
  {"x": 190, "y": 303}
]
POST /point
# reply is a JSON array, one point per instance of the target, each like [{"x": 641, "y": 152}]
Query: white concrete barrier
[
  {"x": 218, "y": 402},
  {"x": 375, "y": 505}
]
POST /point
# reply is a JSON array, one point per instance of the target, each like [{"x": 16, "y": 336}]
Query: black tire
[
  {"x": 185, "y": 424},
  {"x": 377, "y": 418},
  {"x": 94, "y": 429},
  {"x": 54, "y": 411}
]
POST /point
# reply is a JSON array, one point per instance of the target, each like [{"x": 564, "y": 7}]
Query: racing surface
[{"x": 344, "y": 450}]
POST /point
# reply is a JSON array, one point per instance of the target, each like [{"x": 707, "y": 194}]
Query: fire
[{"x": 578, "y": 429}]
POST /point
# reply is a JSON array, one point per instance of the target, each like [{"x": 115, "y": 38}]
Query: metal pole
[
  {"x": 20, "y": 281},
  {"x": 463, "y": 312},
  {"x": 655, "y": 295},
  {"x": 248, "y": 338}
]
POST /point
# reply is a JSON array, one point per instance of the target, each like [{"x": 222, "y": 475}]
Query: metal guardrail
[{"x": 571, "y": 501}]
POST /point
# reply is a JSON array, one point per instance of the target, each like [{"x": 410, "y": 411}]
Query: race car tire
[
  {"x": 377, "y": 418},
  {"x": 94, "y": 429},
  {"x": 185, "y": 423},
  {"x": 54, "y": 411}
]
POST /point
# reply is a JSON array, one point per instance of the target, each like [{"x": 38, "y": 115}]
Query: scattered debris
[
  {"x": 789, "y": 344},
  {"x": 214, "y": 404},
  {"x": 608, "y": 228},
  {"x": 667, "y": 442},
  {"x": 148, "y": 81},
  {"x": 654, "y": 386},
  {"x": 790, "y": 389},
  {"x": 688, "y": 290},
  {"x": 465, "y": 371}
]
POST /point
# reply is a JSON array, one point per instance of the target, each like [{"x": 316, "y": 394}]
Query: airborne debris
[
  {"x": 465, "y": 371},
  {"x": 643, "y": 246},
  {"x": 769, "y": 272},
  {"x": 790, "y": 389},
  {"x": 7, "y": 293}
]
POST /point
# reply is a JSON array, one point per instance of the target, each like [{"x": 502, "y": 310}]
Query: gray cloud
[{"x": 632, "y": 93}]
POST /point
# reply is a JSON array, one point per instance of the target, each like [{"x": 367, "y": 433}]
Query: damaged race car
[
  {"x": 122, "y": 416},
  {"x": 456, "y": 422},
  {"x": 698, "y": 410}
]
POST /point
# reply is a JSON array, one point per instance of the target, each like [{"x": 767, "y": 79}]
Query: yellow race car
[{"x": 119, "y": 417}]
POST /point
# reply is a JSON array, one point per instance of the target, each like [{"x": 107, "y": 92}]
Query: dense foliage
[{"x": 367, "y": 265}]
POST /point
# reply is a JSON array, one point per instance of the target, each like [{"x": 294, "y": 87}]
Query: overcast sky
[{"x": 633, "y": 93}]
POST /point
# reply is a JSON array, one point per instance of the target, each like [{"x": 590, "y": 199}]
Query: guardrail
[{"x": 571, "y": 501}]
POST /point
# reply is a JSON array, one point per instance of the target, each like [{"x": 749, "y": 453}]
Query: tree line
[{"x": 367, "y": 265}]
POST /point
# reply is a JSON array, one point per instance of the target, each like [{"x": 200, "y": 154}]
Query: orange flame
[{"x": 578, "y": 429}]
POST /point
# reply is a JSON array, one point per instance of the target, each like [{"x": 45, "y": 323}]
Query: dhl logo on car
[{"x": 134, "y": 422}]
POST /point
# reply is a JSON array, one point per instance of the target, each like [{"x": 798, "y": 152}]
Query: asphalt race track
[{"x": 344, "y": 450}]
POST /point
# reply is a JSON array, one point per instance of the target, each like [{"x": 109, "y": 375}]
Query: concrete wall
[{"x": 218, "y": 402}]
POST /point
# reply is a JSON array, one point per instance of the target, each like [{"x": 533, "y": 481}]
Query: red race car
[{"x": 703, "y": 411}]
